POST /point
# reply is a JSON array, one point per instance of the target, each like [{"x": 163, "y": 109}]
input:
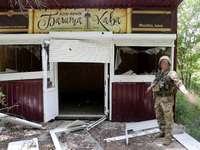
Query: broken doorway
[{"x": 81, "y": 89}]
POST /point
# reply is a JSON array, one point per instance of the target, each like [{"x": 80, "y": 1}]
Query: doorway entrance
[
  {"x": 81, "y": 89},
  {"x": 80, "y": 74}
]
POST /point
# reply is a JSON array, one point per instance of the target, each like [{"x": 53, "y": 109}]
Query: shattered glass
[{"x": 138, "y": 60}]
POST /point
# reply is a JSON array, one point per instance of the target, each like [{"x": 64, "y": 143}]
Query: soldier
[{"x": 165, "y": 85}]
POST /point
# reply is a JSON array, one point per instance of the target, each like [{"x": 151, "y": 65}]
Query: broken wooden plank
[
  {"x": 139, "y": 133},
  {"x": 187, "y": 141},
  {"x": 19, "y": 121},
  {"x": 138, "y": 126},
  {"x": 24, "y": 145},
  {"x": 55, "y": 140}
]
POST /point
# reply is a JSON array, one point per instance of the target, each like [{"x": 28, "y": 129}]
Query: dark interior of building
[{"x": 81, "y": 88}]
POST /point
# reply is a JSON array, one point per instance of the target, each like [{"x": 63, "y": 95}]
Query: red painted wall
[
  {"x": 130, "y": 103},
  {"x": 29, "y": 96}
]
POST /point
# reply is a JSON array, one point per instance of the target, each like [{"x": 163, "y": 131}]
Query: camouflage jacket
[{"x": 166, "y": 83}]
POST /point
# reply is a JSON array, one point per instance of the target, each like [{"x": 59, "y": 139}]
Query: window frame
[
  {"x": 141, "y": 40},
  {"x": 22, "y": 39}
]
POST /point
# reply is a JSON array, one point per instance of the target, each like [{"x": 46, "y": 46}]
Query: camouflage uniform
[{"x": 166, "y": 87}]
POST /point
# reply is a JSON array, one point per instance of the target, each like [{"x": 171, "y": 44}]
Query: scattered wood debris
[
  {"x": 67, "y": 128},
  {"x": 16, "y": 120},
  {"x": 24, "y": 145}
]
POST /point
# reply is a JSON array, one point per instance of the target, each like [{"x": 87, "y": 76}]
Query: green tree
[{"x": 188, "y": 39}]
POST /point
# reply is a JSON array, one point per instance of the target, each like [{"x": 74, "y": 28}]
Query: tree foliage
[
  {"x": 188, "y": 65},
  {"x": 188, "y": 57}
]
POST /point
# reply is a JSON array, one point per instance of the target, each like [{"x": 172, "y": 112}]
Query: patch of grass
[{"x": 188, "y": 114}]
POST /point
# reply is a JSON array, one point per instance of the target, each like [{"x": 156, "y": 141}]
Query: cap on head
[{"x": 164, "y": 58}]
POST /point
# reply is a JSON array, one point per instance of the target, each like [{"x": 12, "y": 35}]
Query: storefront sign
[
  {"x": 151, "y": 21},
  {"x": 13, "y": 21},
  {"x": 80, "y": 20},
  {"x": 114, "y": 20}
]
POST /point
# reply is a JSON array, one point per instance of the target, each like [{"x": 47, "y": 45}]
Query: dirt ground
[{"x": 84, "y": 140}]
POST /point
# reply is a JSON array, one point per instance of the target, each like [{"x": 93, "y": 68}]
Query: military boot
[
  {"x": 167, "y": 141},
  {"x": 159, "y": 135}
]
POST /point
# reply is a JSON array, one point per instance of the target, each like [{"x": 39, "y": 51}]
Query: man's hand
[
  {"x": 192, "y": 98},
  {"x": 148, "y": 89}
]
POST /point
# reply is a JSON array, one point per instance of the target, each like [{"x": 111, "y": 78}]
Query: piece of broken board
[
  {"x": 187, "y": 141},
  {"x": 138, "y": 126},
  {"x": 20, "y": 121},
  {"x": 24, "y": 145},
  {"x": 138, "y": 133}
]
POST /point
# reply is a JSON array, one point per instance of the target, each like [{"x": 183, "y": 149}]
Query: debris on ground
[
  {"x": 79, "y": 139},
  {"x": 186, "y": 140},
  {"x": 94, "y": 138},
  {"x": 19, "y": 121},
  {"x": 139, "y": 133},
  {"x": 24, "y": 145},
  {"x": 67, "y": 128},
  {"x": 139, "y": 126}
]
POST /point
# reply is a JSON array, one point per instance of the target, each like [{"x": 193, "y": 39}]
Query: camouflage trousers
[{"x": 164, "y": 115}]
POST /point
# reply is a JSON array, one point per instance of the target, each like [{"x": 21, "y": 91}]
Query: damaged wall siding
[
  {"x": 131, "y": 103},
  {"x": 28, "y": 94}
]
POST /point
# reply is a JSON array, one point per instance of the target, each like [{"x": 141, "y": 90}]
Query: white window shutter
[{"x": 80, "y": 51}]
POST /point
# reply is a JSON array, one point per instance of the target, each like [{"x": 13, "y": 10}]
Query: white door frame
[
  {"x": 50, "y": 95},
  {"x": 106, "y": 76},
  {"x": 106, "y": 109},
  {"x": 90, "y": 36}
]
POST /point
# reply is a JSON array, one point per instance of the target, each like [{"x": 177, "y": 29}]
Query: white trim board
[
  {"x": 133, "y": 78},
  {"x": 140, "y": 133},
  {"x": 144, "y": 39},
  {"x": 119, "y": 39},
  {"x": 187, "y": 141},
  {"x": 55, "y": 140},
  {"x": 97, "y": 36},
  {"x": 18, "y": 39},
  {"x": 138, "y": 126},
  {"x": 22, "y": 76}
]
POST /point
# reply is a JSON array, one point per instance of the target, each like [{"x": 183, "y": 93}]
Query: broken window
[
  {"x": 20, "y": 58},
  {"x": 138, "y": 60}
]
